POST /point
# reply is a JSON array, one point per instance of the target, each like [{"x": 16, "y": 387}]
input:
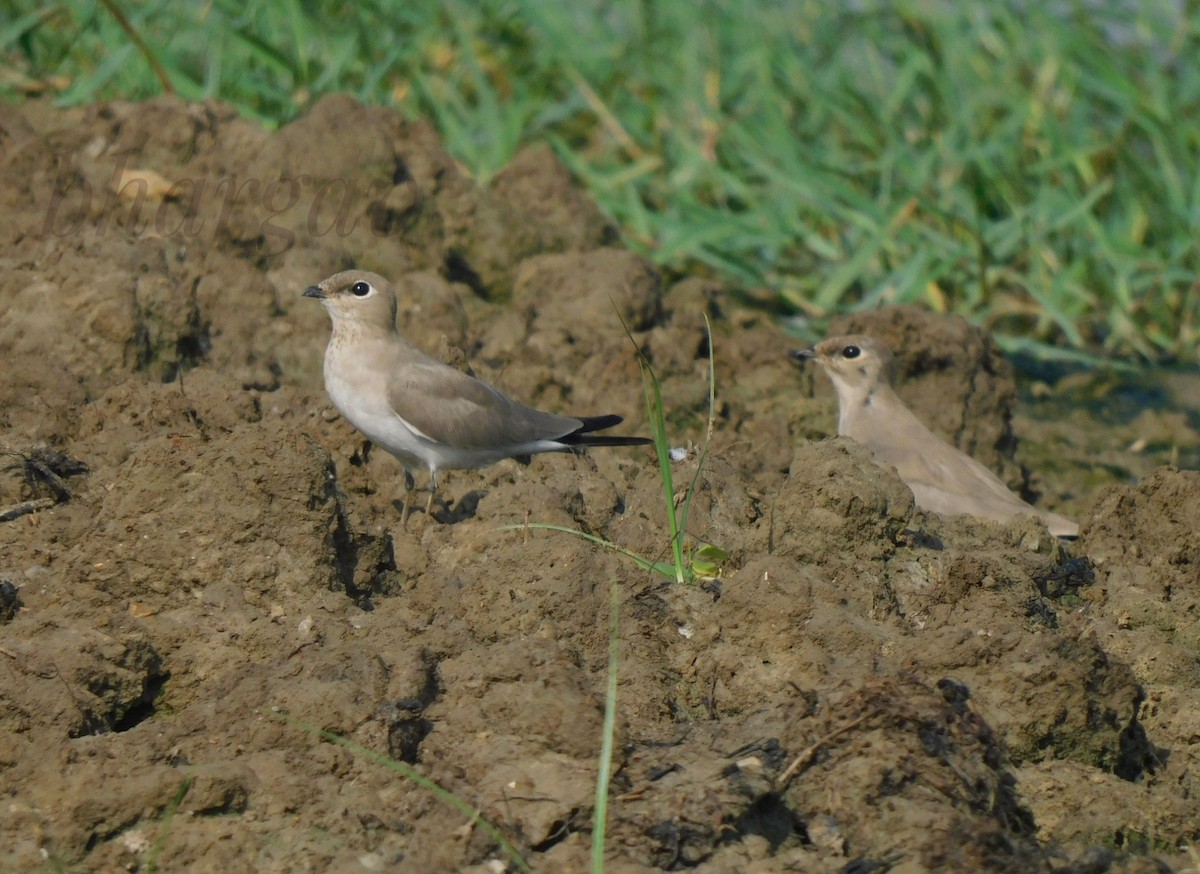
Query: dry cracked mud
[{"x": 862, "y": 688}]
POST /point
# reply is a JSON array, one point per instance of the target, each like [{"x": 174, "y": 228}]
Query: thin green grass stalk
[
  {"x": 403, "y": 769},
  {"x": 676, "y": 516},
  {"x": 164, "y": 825},
  {"x": 683, "y": 568},
  {"x": 662, "y": 448},
  {"x": 658, "y": 567},
  {"x": 712, "y": 418},
  {"x": 604, "y": 776}
]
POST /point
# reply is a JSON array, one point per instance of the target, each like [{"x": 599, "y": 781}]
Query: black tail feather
[
  {"x": 596, "y": 423},
  {"x": 582, "y": 436},
  {"x": 578, "y": 439}
]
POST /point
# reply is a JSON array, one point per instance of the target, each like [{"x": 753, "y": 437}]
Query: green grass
[
  {"x": 702, "y": 560},
  {"x": 1034, "y": 167},
  {"x": 150, "y": 865},
  {"x": 604, "y": 774},
  {"x": 409, "y": 773}
]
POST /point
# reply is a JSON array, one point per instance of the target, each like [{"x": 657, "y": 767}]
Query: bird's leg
[
  {"x": 408, "y": 488},
  {"x": 432, "y": 492}
]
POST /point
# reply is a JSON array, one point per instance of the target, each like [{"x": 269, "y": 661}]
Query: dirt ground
[{"x": 863, "y": 688}]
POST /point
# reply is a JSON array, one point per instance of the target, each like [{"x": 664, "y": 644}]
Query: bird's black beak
[
  {"x": 802, "y": 354},
  {"x": 314, "y": 291}
]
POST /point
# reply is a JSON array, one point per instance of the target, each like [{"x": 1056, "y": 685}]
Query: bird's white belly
[{"x": 369, "y": 412}]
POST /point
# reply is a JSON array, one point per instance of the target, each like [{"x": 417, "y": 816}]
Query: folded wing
[{"x": 451, "y": 408}]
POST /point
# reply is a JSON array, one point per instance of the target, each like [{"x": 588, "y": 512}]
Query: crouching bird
[{"x": 942, "y": 479}]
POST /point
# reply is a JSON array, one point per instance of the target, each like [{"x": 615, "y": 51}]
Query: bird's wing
[
  {"x": 942, "y": 479},
  {"x": 449, "y": 407},
  {"x": 945, "y": 480}
]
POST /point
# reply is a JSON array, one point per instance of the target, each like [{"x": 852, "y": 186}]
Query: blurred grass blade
[
  {"x": 604, "y": 774},
  {"x": 408, "y": 772}
]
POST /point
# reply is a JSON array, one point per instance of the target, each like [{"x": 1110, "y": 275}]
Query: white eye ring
[{"x": 361, "y": 289}]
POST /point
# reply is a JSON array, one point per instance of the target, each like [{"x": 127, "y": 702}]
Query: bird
[
  {"x": 943, "y": 480},
  {"x": 426, "y": 413}
]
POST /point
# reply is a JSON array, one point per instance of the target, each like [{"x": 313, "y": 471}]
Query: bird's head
[
  {"x": 857, "y": 364},
  {"x": 358, "y": 300}
]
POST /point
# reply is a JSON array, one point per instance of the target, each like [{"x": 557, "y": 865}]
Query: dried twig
[
  {"x": 16, "y": 511},
  {"x": 42, "y": 467},
  {"x": 806, "y": 756}
]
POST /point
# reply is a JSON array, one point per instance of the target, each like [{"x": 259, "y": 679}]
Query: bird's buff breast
[{"x": 361, "y": 397}]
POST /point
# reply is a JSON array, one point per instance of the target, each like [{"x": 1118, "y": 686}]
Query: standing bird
[
  {"x": 426, "y": 413},
  {"x": 943, "y": 480}
]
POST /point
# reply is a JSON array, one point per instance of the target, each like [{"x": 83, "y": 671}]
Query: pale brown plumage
[
  {"x": 943, "y": 479},
  {"x": 420, "y": 410},
  {"x": 454, "y": 409}
]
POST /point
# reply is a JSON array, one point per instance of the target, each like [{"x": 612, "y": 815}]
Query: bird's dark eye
[
  {"x": 851, "y": 352},
  {"x": 360, "y": 289}
]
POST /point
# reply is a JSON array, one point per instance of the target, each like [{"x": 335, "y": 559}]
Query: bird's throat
[{"x": 853, "y": 400}]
